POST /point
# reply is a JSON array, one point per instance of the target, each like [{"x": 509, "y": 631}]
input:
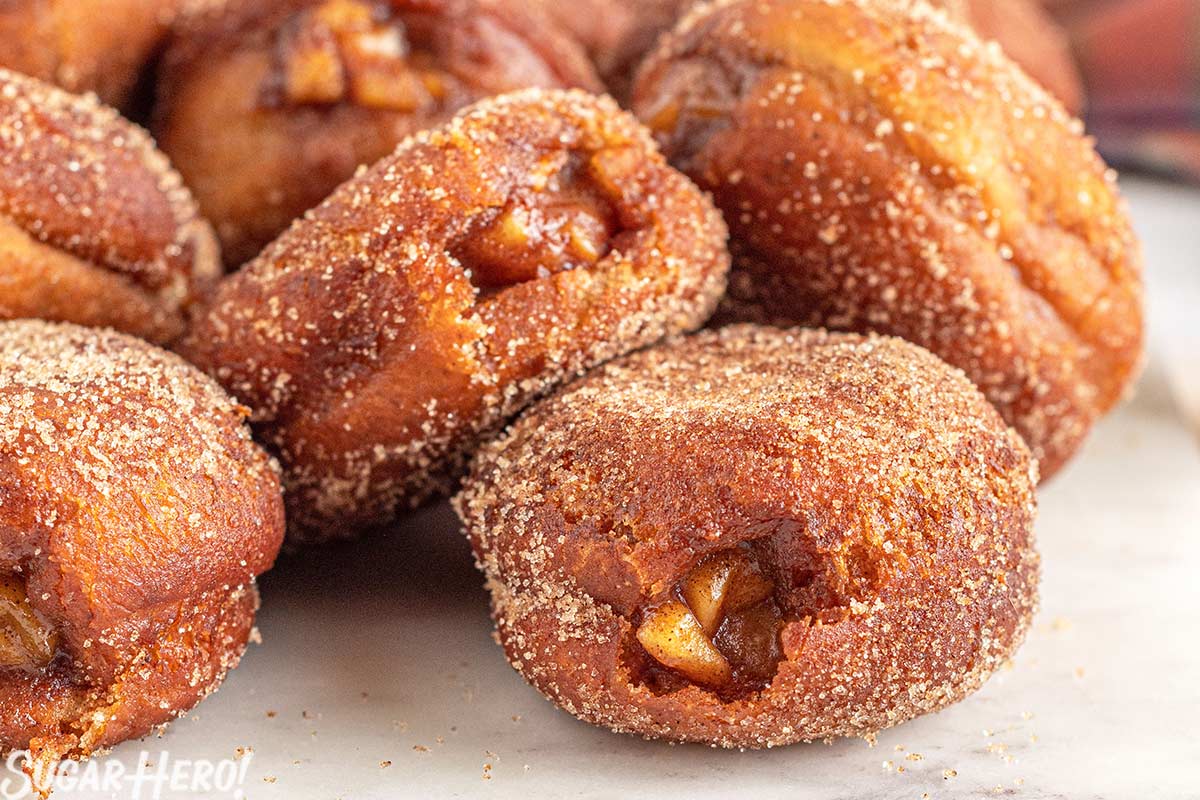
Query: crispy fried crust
[
  {"x": 95, "y": 226},
  {"x": 137, "y": 511},
  {"x": 876, "y": 485},
  {"x": 96, "y": 46},
  {"x": 373, "y": 360},
  {"x": 882, "y": 169},
  {"x": 257, "y": 161}
]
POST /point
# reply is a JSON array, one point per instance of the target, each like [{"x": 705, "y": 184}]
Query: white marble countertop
[{"x": 378, "y": 678}]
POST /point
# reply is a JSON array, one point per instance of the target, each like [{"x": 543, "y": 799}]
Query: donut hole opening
[
  {"x": 718, "y": 628},
  {"x": 27, "y": 642},
  {"x": 565, "y": 223},
  {"x": 362, "y": 52}
]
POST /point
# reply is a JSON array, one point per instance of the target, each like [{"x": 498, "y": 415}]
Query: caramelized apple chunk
[
  {"x": 726, "y": 581},
  {"x": 26, "y": 641},
  {"x": 673, "y": 636},
  {"x": 705, "y": 590},
  {"x": 313, "y": 71},
  {"x": 725, "y": 609},
  {"x": 567, "y": 225},
  {"x": 354, "y": 50}
]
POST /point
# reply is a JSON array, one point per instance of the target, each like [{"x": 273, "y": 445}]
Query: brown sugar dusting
[
  {"x": 376, "y": 344},
  {"x": 137, "y": 512},
  {"x": 884, "y": 170},
  {"x": 884, "y": 507},
  {"x": 98, "y": 228}
]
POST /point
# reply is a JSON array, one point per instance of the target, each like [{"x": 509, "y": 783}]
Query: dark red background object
[{"x": 1140, "y": 61}]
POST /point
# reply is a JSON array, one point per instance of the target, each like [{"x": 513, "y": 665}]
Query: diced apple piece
[
  {"x": 435, "y": 83},
  {"x": 674, "y": 637},
  {"x": 313, "y": 69},
  {"x": 344, "y": 15},
  {"x": 586, "y": 234},
  {"x": 25, "y": 641},
  {"x": 722, "y": 584},
  {"x": 747, "y": 587},
  {"x": 706, "y": 588},
  {"x": 391, "y": 87}
]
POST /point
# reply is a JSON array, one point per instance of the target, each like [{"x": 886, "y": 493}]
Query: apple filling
[
  {"x": 568, "y": 224},
  {"x": 353, "y": 50},
  {"x": 27, "y": 642},
  {"x": 719, "y": 629}
]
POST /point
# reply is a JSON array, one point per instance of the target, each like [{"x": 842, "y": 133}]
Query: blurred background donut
[
  {"x": 99, "y": 46},
  {"x": 267, "y": 105},
  {"x": 1031, "y": 37},
  {"x": 617, "y": 34},
  {"x": 95, "y": 226}
]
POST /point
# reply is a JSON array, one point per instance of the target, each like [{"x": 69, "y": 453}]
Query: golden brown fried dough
[
  {"x": 266, "y": 106},
  {"x": 96, "y": 46},
  {"x": 753, "y": 537},
  {"x": 436, "y": 294},
  {"x": 881, "y": 169},
  {"x": 134, "y": 516},
  {"x": 95, "y": 226}
]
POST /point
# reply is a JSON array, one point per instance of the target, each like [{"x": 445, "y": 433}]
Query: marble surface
[{"x": 377, "y": 676}]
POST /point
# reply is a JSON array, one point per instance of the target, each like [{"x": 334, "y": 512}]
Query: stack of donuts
[{"x": 742, "y": 382}]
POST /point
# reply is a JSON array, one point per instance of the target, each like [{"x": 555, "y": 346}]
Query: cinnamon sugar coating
[
  {"x": 882, "y": 169},
  {"x": 95, "y": 226},
  {"x": 878, "y": 491},
  {"x": 136, "y": 512},
  {"x": 1029, "y": 36},
  {"x": 426, "y": 301},
  {"x": 267, "y": 105},
  {"x": 99, "y": 46}
]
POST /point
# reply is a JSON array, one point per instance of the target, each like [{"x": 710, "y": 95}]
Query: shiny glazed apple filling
[
  {"x": 27, "y": 642},
  {"x": 567, "y": 224},
  {"x": 352, "y": 50},
  {"x": 719, "y": 629}
]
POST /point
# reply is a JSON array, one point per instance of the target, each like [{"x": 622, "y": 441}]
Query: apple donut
[
  {"x": 881, "y": 169},
  {"x": 134, "y": 516},
  {"x": 753, "y": 537},
  {"x": 432, "y": 297}
]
